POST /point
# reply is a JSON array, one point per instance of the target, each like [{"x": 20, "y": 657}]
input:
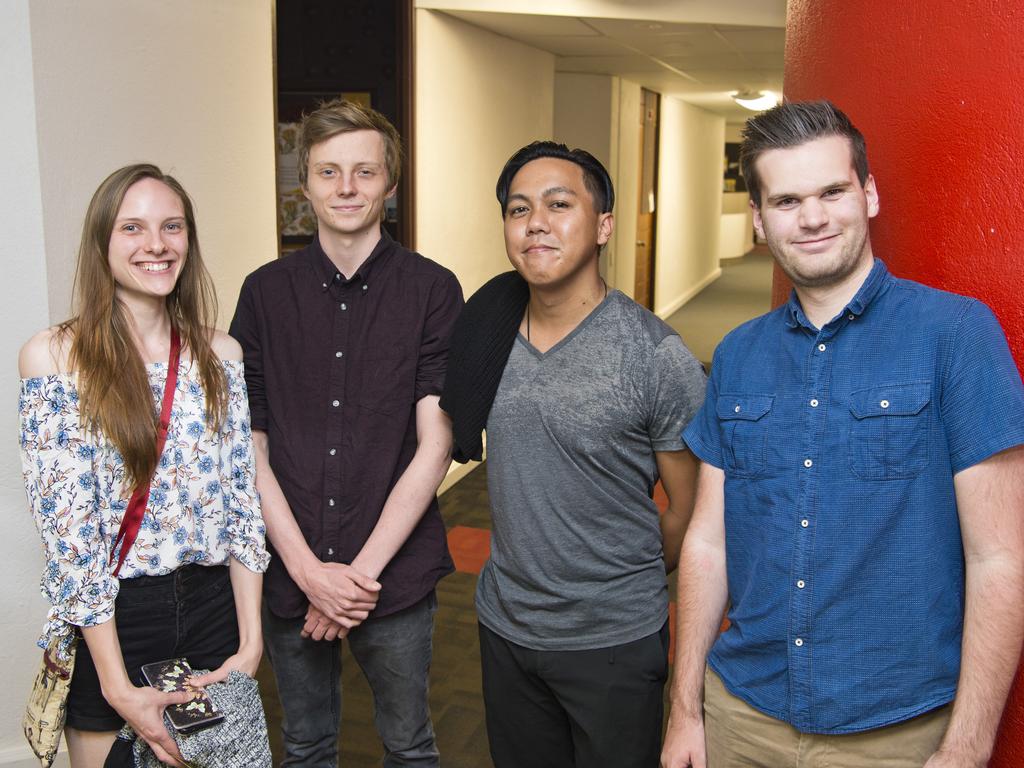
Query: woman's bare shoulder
[
  {"x": 45, "y": 354},
  {"x": 224, "y": 346}
]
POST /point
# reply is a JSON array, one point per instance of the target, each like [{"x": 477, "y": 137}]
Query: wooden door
[{"x": 646, "y": 222}]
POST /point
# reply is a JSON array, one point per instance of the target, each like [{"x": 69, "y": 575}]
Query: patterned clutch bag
[{"x": 240, "y": 741}]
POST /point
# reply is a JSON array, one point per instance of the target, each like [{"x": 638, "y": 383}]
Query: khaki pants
[{"x": 739, "y": 735}]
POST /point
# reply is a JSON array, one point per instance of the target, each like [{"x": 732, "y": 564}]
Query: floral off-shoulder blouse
[{"x": 203, "y": 506}]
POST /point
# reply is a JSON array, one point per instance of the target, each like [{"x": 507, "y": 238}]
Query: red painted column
[{"x": 935, "y": 86}]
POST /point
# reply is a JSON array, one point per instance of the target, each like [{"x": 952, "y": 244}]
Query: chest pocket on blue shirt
[
  {"x": 889, "y": 434},
  {"x": 743, "y": 420}
]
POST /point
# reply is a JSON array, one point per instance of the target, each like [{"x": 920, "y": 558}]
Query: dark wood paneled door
[{"x": 647, "y": 211}]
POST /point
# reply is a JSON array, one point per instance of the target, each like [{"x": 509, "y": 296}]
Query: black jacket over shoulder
[{"x": 480, "y": 346}]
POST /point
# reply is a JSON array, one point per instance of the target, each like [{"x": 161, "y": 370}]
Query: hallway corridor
[{"x": 742, "y": 292}]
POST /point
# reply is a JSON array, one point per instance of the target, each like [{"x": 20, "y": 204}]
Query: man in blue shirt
[{"x": 860, "y": 496}]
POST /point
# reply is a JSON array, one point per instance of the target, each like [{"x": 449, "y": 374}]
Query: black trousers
[{"x": 598, "y": 708}]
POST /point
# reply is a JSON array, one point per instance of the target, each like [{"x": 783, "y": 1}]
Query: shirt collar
[
  {"x": 874, "y": 284},
  {"x": 877, "y": 280},
  {"x": 327, "y": 274}
]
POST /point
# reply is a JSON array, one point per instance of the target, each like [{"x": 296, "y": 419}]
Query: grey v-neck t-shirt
[{"x": 576, "y": 560}]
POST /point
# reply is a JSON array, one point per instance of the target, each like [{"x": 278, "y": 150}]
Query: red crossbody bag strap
[{"x": 140, "y": 497}]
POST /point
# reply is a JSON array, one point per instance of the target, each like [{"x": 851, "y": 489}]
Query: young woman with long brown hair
[{"x": 189, "y": 584}]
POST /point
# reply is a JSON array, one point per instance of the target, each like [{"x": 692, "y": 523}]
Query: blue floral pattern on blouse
[{"x": 203, "y": 506}]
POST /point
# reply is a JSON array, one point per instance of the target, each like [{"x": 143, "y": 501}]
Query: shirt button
[
  {"x": 821, "y": 347},
  {"x": 884, "y": 403},
  {"x": 338, "y": 354},
  {"x": 736, "y": 409},
  {"x": 336, "y": 403},
  {"x": 850, "y": 317},
  {"x": 333, "y": 451},
  {"x": 344, "y": 306},
  {"x": 330, "y": 502},
  {"x": 798, "y": 642},
  {"x": 364, "y": 287},
  {"x": 800, "y": 584},
  {"x": 330, "y": 550},
  {"x": 814, "y": 403},
  {"x": 804, "y": 523},
  {"x": 808, "y": 463}
]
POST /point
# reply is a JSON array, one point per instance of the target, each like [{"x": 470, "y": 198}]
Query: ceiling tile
[
  {"x": 737, "y": 79},
  {"x": 575, "y": 45},
  {"x": 607, "y": 64},
  {"x": 724, "y": 61},
  {"x": 755, "y": 39},
  {"x": 770, "y": 61},
  {"x": 516, "y": 24},
  {"x": 635, "y": 28}
]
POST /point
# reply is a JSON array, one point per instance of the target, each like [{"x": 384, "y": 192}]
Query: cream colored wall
[
  {"x": 735, "y": 202},
  {"x": 583, "y": 112},
  {"x": 93, "y": 86},
  {"x": 732, "y": 132},
  {"x": 737, "y": 231},
  {"x": 479, "y": 98},
  {"x": 23, "y": 297},
  {"x": 586, "y": 116},
  {"x": 602, "y": 114},
  {"x": 627, "y": 187},
  {"x": 690, "y": 200},
  {"x": 187, "y": 85}
]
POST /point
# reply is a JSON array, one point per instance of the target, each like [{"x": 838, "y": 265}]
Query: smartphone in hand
[{"x": 172, "y": 675}]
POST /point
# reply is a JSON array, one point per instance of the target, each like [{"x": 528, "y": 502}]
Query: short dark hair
[
  {"x": 790, "y": 125},
  {"x": 595, "y": 177}
]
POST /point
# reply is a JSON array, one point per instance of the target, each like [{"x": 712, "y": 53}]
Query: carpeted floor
[{"x": 741, "y": 293}]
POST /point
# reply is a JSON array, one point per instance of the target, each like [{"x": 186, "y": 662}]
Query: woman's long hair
[{"x": 115, "y": 397}]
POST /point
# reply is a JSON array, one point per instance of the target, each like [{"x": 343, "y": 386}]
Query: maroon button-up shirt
[{"x": 334, "y": 369}]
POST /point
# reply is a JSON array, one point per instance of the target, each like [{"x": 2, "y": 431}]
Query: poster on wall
[{"x": 296, "y": 219}]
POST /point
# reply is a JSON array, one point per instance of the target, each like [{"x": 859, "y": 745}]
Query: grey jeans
[{"x": 394, "y": 654}]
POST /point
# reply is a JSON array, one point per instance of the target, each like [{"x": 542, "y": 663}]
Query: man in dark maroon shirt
[{"x": 346, "y": 343}]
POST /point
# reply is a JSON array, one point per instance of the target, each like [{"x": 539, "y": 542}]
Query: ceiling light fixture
[{"x": 756, "y": 101}]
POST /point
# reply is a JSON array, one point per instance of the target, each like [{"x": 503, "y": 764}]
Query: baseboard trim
[{"x": 666, "y": 312}]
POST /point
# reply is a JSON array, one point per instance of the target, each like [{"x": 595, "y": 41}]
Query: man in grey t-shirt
[{"x": 594, "y": 395}]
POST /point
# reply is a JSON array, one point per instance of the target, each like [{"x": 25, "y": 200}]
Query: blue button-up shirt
[{"x": 839, "y": 447}]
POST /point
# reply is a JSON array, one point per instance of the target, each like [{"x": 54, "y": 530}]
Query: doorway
[{"x": 647, "y": 210}]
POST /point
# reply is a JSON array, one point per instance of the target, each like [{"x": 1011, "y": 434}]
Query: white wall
[
  {"x": 23, "y": 297},
  {"x": 584, "y": 113},
  {"x": 187, "y": 85},
  {"x": 732, "y": 132},
  {"x": 737, "y": 231},
  {"x": 586, "y": 116},
  {"x": 602, "y": 114},
  {"x": 627, "y": 187},
  {"x": 89, "y": 87},
  {"x": 690, "y": 199},
  {"x": 479, "y": 98}
]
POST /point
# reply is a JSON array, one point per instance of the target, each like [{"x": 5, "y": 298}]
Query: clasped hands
[{"x": 340, "y": 598}]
